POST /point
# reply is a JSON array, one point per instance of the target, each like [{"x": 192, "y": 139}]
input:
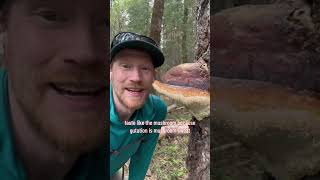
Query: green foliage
[
  {"x": 169, "y": 159},
  {"x": 173, "y": 28},
  {"x": 184, "y": 115},
  {"x": 140, "y": 17},
  {"x": 118, "y": 16},
  {"x": 130, "y": 15}
]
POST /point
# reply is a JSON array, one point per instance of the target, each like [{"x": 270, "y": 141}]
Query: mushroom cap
[
  {"x": 187, "y": 84},
  {"x": 280, "y": 123},
  {"x": 194, "y": 75},
  {"x": 265, "y": 43}
]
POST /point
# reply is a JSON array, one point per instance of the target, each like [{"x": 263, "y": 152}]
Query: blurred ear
[
  {"x": 110, "y": 71},
  {"x": 155, "y": 72},
  {"x": 111, "y": 64}
]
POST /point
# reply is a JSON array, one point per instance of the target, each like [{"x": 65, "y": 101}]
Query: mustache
[
  {"x": 135, "y": 85},
  {"x": 83, "y": 75}
]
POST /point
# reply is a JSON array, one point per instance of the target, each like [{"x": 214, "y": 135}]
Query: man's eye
[
  {"x": 146, "y": 68},
  {"x": 51, "y": 16},
  {"x": 125, "y": 66}
]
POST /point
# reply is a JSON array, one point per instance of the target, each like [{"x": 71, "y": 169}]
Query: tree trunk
[
  {"x": 198, "y": 160},
  {"x": 203, "y": 24},
  {"x": 156, "y": 20},
  {"x": 184, "y": 32}
]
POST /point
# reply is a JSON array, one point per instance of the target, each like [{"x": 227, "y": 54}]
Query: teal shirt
[
  {"x": 128, "y": 144},
  {"x": 91, "y": 166}
]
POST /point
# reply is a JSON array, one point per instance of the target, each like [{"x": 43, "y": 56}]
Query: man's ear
[
  {"x": 155, "y": 72},
  {"x": 110, "y": 67},
  {"x": 110, "y": 70}
]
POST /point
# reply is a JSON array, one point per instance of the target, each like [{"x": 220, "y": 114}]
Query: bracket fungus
[
  {"x": 188, "y": 85},
  {"x": 266, "y": 43},
  {"x": 279, "y": 123},
  {"x": 260, "y": 51}
]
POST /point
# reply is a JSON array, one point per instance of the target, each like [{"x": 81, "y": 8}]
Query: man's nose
[
  {"x": 85, "y": 47},
  {"x": 135, "y": 75}
]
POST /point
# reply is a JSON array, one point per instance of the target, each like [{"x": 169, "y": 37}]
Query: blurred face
[
  {"x": 132, "y": 75},
  {"x": 55, "y": 56}
]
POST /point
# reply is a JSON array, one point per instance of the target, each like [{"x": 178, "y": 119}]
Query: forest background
[{"x": 171, "y": 23}]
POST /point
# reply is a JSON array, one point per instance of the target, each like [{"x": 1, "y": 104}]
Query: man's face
[
  {"x": 132, "y": 75},
  {"x": 55, "y": 55}
]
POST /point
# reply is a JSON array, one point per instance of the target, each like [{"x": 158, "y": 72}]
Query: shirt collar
[{"x": 7, "y": 156}]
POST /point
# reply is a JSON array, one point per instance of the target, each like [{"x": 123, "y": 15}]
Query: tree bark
[
  {"x": 198, "y": 160},
  {"x": 156, "y": 20},
  {"x": 184, "y": 32},
  {"x": 203, "y": 38}
]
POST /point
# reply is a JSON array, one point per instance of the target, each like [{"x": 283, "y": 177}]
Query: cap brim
[{"x": 155, "y": 53}]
